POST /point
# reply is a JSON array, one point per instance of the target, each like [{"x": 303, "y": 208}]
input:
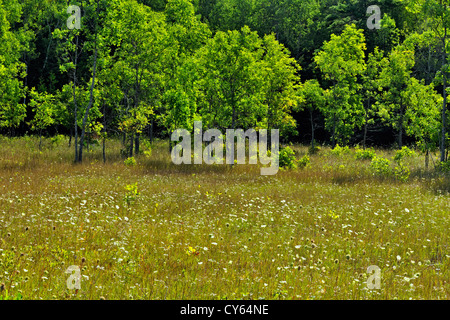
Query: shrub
[
  {"x": 146, "y": 148},
  {"x": 287, "y": 158},
  {"x": 380, "y": 166},
  {"x": 304, "y": 161},
  {"x": 130, "y": 162},
  {"x": 132, "y": 193},
  {"x": 403, "y": 153},
  {"x": 338, "y": 150},
  {"x": 314, "y": 150},
  {"x": 367, "y": 154},
  {"x": 443, "y": 166},
  {"x": 402, "y": 172},
  {"x": 56, "y": 140}
]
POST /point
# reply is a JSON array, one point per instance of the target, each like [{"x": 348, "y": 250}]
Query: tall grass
[{"x": 219, "y": 231}]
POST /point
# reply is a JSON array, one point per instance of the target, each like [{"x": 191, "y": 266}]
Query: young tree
[
  {"x": 12, "y": 111},
  {"x": 313, "y": 98},
  {"x": 230, "y": 83},
  {"x": 341, "y": 61},
  {"x": 139, "y": 38},
  {"x": 370, "y": 87},
  {"x": 43, "y": 106},
  {"x": 422, "y": 116},
  {"x": 435, "y": 15},
  {"x": 395, "y": 79},
  {"x": 281, "y": 83}
]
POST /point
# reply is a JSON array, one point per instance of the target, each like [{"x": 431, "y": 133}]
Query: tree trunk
[
  {"x": 333, "y": 137},
  {"x": 443, "y": 115},
  {"x": 136, "y": 144},
  {"x": 312, "y": 129},
  {"x": 131, "y": 146},
  {"x": 151, "y": 131},
  {"x": 91, "y": 100},
  {"x": 400, "y": 126},
  {"x": 75, "y": 107},
  {"x": 104, "y": 133},
  {"x": 365, "y": 124},
  {"x": 444, "y": 95},
  {"x": 104, "y": 149},
  {"x": 70, "y": 137}
]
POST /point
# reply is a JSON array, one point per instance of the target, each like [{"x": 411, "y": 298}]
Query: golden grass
[{"x": 216, "y": 232}]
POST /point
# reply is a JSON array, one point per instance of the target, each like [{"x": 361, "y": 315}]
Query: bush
[
  {"x": 132, "y": 193},
  {"x": 146, "y": 148},
  {"x": 304, "y": 161},
  {"x": 287, "y": 158},
  {"x": 130, "y": 162},
  {"x": 314, "y": 150},
  {"x": 56, "y": 140},
  {"x": 402, "y": 172},
  {"x": 367, "y": 154},
  {"x": 338, "y": 150},
  {"x": 443, "y": 166},
  {"x": 380, "y": 166},
  {"x": 403, "y": 153}
]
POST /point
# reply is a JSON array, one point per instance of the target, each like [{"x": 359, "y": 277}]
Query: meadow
[{"x": 155, "y": 230}]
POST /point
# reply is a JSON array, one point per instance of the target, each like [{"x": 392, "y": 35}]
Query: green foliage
[
  {"x": 58, "y": 139},
  {"x": 43, "y": 105},
  {"x": 403, "y": 153},
  {"x": 130, "y": 162},
  {"x": 342, "y": 61},
  {"x": 146, "y": 148},
  {"x": 132, "y": 193},
  {"x": 287, "y": 158},
  {"x": 338, "y": 150},
  {"x": 367, "y": 154},
  {"x": 304, "y": 161},
  {"x": 380, "y": 166},
  {"x": 443, "y": 166},
  {"x": 402, "y": 172}
]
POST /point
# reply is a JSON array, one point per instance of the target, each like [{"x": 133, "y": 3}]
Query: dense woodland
[{"x": 310, "y": 68}]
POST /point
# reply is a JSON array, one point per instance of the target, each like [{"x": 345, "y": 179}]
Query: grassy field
[{"x": 160, "y": 231}]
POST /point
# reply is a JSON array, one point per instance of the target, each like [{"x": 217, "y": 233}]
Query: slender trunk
[
  {"x": 91, "y": 100},
  {"x": 365, "y": 124},
  {"x": 151, "y": 131},
  {"x": 444, "y": 95},
  {"x": 136, "y": 144},
  {"x": 75, "y": 107},
  {"x": 444, "y": 120},
  {"x": 131, "y": 146},
  {"x": 333, "y": 137},
  {"x": 312, "y": 129},
  {"x": 427, "y": 160},
  {"x": 104, "y": 133},
  {"x": 104, "y": 149},
  {"x": 400, "y": 130}
]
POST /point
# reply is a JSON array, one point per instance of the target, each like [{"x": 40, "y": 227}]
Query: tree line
[{"x": 139, "y": 67}]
